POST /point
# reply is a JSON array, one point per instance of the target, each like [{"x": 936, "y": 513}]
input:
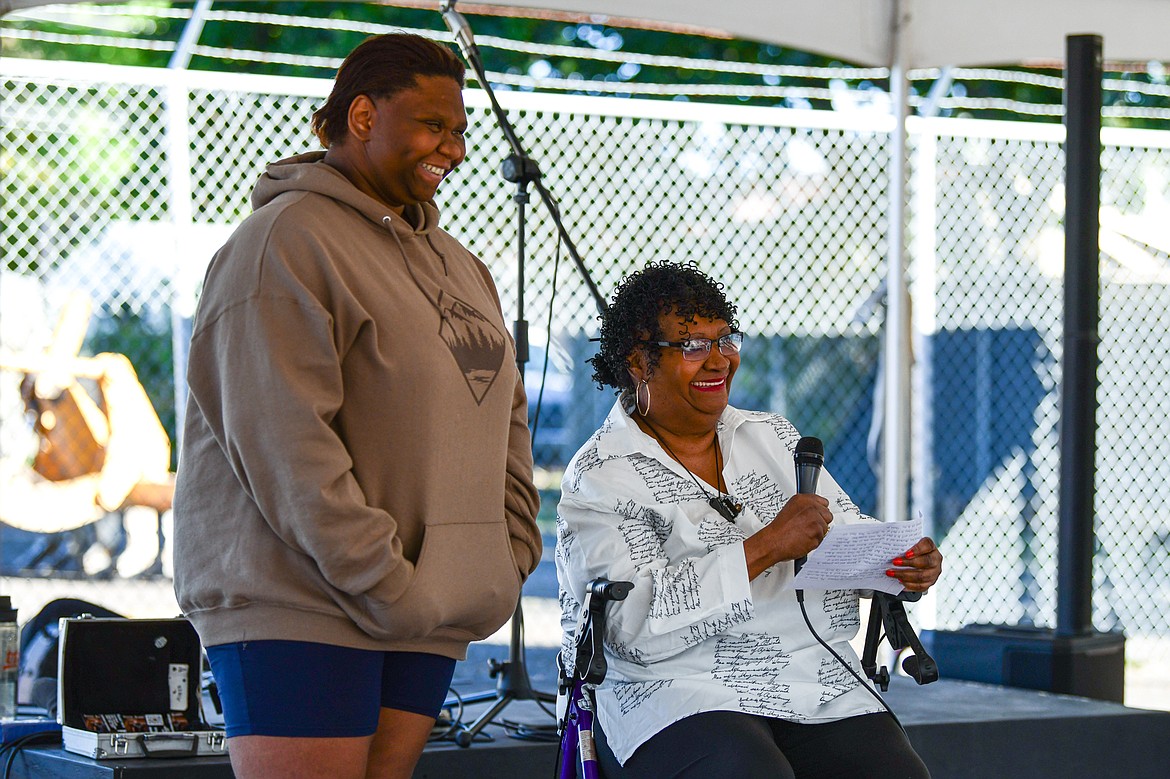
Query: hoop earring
[{"x": 638, "y": 397}]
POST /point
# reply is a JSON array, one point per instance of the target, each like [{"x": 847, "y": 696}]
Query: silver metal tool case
[{"x": 131, "y": 688}]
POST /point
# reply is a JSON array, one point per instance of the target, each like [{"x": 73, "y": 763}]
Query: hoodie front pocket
[{"x": 465, "y": 579}]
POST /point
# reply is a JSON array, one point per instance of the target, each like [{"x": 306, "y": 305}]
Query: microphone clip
[
  {"x": 727, "y": 508},
  {"x": 887, "y": 617}
]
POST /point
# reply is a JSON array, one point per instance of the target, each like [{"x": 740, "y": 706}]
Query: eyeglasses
[{"x": 695, "y": 349}]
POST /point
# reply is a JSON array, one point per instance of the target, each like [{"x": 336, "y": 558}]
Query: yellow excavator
[{"x": 101, "y": 449}]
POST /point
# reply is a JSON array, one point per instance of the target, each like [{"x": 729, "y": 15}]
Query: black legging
[{"x": 726, "y": 743}]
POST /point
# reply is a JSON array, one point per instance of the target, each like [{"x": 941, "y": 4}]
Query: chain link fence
[{"x": 120, "y": 184}]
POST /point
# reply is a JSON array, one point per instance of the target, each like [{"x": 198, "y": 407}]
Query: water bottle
[{"x": 9, "y": 657}]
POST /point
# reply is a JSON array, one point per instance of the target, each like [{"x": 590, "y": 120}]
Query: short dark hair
[
  {"x": 632, "y": 316},
  {"x": 381, "y": 66}
]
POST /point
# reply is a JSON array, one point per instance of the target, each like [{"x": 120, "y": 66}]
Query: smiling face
[
  {"x": 407, "y": 143},
  {"x": 688, "y": 397}
]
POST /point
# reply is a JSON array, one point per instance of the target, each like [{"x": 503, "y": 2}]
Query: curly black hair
[{"x": 632, "y": 316}]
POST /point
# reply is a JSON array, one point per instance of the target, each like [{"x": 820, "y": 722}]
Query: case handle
[{"x": 169, "y": 744}]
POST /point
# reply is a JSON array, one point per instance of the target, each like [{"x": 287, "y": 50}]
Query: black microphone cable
[
  {"x": 809, "y": 457},
  {"x": 547, "y": 343},
  {"x": 845, "y": 664}
]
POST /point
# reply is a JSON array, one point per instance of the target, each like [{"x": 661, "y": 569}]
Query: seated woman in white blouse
[{"x": 712, "y": 669}]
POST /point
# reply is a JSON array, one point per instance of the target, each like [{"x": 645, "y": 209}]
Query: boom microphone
[
  {"x": 459, "y": 28},
  {"x": 809, "y": 457}
]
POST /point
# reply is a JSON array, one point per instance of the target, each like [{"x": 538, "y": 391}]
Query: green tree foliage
[
  {"x": 148, "y": 343},
  {"x": 138, "y": 29},
  {"x": 141, "y": 29}
]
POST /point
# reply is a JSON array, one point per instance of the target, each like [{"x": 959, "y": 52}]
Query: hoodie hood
[{"x": 309, "y": 173}]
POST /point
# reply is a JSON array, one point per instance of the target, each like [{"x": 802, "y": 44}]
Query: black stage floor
[{"x": 963, "y": 730}]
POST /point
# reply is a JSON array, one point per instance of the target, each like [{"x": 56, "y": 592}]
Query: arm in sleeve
[
  {"x": 521, "y": 500},
  {"x": 675, "y": 604},
  {"x": 265, "y": 373}
]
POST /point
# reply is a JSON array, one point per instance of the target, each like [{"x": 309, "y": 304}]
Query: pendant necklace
[{"x": 725, "y": 505}]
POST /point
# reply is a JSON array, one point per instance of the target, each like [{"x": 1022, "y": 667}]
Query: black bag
[{"x": 37, "y": 680}]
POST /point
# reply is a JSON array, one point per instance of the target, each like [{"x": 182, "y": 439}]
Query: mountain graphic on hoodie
[{"x": 476, "y": 344}]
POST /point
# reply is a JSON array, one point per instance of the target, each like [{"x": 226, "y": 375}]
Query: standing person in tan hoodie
[{"x": 354, "y": 501}]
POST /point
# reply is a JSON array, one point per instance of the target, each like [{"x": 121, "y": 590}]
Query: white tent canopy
[{"x": 933, "y": 33}]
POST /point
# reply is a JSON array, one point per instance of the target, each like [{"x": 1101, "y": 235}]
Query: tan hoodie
[{"x": 356, "y": 466}]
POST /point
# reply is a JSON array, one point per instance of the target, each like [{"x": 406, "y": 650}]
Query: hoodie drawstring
[
  {"x": 442, "y": 257},
  {"x": 386, "y": 220}
]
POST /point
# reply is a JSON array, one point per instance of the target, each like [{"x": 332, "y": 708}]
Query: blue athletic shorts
[{"x": 303, "y": 689}]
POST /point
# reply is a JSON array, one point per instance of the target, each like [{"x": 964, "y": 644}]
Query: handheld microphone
[
  {"x": 809, "y": 457},
  {"x": 459, "y": 28}
]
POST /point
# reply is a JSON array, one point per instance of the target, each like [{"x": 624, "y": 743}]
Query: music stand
[{"x": 512, "y": 681}]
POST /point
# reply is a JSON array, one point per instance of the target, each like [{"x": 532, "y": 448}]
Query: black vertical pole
[
  {"x": 1078, "y": 413},
  {"x": 1071, "y": 658}
]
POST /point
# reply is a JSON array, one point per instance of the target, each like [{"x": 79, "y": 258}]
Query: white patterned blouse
[{"x": 695, "y": 635}]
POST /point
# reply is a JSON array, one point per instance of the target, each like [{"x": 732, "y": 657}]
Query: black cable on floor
[
  {"x": 526, "y": 731},
  {"x": 32, "y": 739}
]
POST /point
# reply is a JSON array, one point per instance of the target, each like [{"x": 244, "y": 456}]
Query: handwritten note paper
[{"x": 857, "y": 556}]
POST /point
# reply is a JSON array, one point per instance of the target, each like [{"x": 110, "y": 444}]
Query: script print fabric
[{"x": 694, "y": 634}]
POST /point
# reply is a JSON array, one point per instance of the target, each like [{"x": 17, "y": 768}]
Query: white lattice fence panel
[
  {"x": 993, "y": 357},
  {"x": 233, "y": 136},
  {"x": 1133, "y": 462},
  {"x": 788, "y": 209},
  {"x": 87, "y": 215},
  {"x": 77, "y": 157},
  {"x": 999, "y": 301}
]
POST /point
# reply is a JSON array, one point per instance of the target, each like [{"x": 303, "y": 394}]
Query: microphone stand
[
  {"x": 887, "y": 611},
  {"x": 512, "y": 680},
  {"x": 518, "y": 167}
]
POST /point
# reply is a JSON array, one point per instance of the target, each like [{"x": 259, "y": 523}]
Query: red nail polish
[
  {"x": 891, "y": 573},
  {"x": 899, "y": 561},
  {"x": 910, "y": 553}
]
